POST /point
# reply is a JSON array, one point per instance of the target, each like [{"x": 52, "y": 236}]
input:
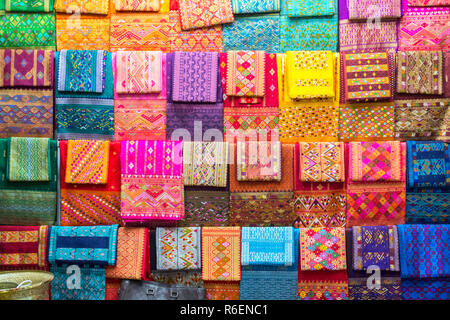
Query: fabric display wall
[{"x": 227, "y": 149}]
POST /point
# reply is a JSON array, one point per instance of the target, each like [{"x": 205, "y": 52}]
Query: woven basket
[{"x": 25, "y": 285}]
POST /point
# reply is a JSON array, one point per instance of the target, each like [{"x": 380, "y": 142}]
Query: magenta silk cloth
[
  {"x": 152, "y": 157},
  {"x": 364, "y": 9},
  {"x": 195, "y": 76}
]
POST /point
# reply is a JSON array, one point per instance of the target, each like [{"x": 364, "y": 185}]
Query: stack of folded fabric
[
  {"x": 424, "y": 261},
  {"x": 90, "y": 182},
  {"x": 78, "y": 257},
  {"x": 84, "y": 95},
  {"x": 26, "y": 93},
  {"x": 139, "y": 95},
  {"x": 322, "y": 268},
  {"x": 373, "y": 263},
  {"x": 28, "y": 184},
  {"x": 269, "y": 261},
  {"x": 308, "y": 25},
  {"x": 82, "y": 25}
]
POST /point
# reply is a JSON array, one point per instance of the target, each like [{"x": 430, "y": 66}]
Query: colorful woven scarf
[
  {"x": 428, "y": 3},
  {"x": 178, "y": 248},
  {"x": 205, "y": 163},
  {"x": 81, "y": 70},
  {"x": 28, "y": 159},
  {"x": 419, "y": 72},
  {"x": 255, "y": 6},
  {"x": 28, "y": 203},
  {"x": 321, "y": 162},
  {"x": 152, "y": 180},
  {"x": 133, "y": 257},
  {"x": 205, "y": 13},
  {"x": 375, "y": 161},
  {"x": 138, "y": 72},
  {"x": 308, "y": 8},
  {"x": 29, "y": 5},
  {"x": 365, "y": 9},
  {"x": 87, "y": 203},
  {"x": 258, "y": 161},
  {"x": 255, "y": 32},
  {"x": 195, "y": 76},
  {"x": 366, "y": 76},
  {"x": 427, "y": 207},
  {"x": 205, "y": 208},
  {"x": 88, "y": 245},
  {"x": 221, "y": 250},
  {"x": 222, "y": 290},
  {"x": 23, "y": 248},
  {"x": 26, "y": 68},
  {"x": 322, "y": 285},
  {"x": 140, "y": 5},
  {"x": 267, "y": 246},
  {"x": 310, "y": 71},
  {"x": 376, "y": 245},
  {"x": 428, "y": 164}
]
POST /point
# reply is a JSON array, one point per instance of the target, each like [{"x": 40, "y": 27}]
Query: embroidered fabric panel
[
  {"x": 205, "y": 13},
  {"x": 206, "y": 208},
  {"x": 362, "y": 9},
  {"x": 255, "y": 6},
  {"x": 308, "y": 8},
  {"x": 419, "y": 72},
  {"x": 221, "y": 250},
  {"x": 29, "y": 5},
  {"x": 86, "y": 34},
  {"x": 427, "y": 208},
  {"x": 221, "y": 290},
  {"x": 82, "y": 6},
  {"x": 322, "y": 249},
  {"x": 137, "y": 5},
  {"x": 260, "y": 161}
]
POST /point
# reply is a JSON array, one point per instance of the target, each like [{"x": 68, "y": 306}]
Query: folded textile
[
  {"x": 322, "y": 285},
  {"x": 29, "y": 5},
  {"x": 375, "y": 161},
  {"x": 268, "y": 285},
  {"x": 253, "y": 32},
  {"x": 428, "y": 164},
  {"x": 366, "y": 9},
  {"x": 85, "y": 114},
  {"x": 308, "y": 8},
  {"x": 420, "y": 72},
  {"x": 195, "y": 76},
  {"x": 205, "y": 163},
  {"x": 178, "y": 248},
  {"x": 138, "y": 6},
  {"x": 87, "y": 161},
  {"x": 87, "y": 203},
  {"x": 422, "y": 119},
  {"x": 322, "y": 249},
  {"x": 427, "y": 207},
  {"x": 82, "y": 6},
  {"x": 426, "y": 289},
  {"x": 375, "y": 246},
  {"x": 77, "y": 283},
  {"x": 205, "y": 208},
  {"x": 245, "y": 73},
  {"x": 255, "y": 6},
  {"x": 258, "y": 161},
  {"x": 85, "y": 34},
  {"x": 424, "y": 250},
  {"x": 138, "y": 72},
  {"x": 133, "y": 257},
  {"x": 222, "y": 290},
  {"x": 28, "y": 203},
  {"x": 26, "y": 68},
  {"x": 310, "y": 74},
  {"x": 367, "y": 76},
  {"x": 428, "y": 3},
  {"x": 261, "y": 209},
  {"x": 81, "y": 70},
  {"x": 28, "y": 159},
  {"x": 321, "y": 162},
  {"x": 205, "y": 13},
  {"x": 152, "y": 180},
  {"x": 23, "y": 248},
  {"x": 221, "y": 249},
  {"x": 267, "y": 246},
  {"x": 87, "y": 245},
  {"x": 31, "y": 30},
  {"x": 371, "y": 285}
]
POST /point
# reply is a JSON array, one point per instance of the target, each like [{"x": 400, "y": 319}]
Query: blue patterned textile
[
  {"x": 87, "y": 245},
  {"x": 77, "y": 283},
  {"x": 267, "y": 246},
  {"x": 268, "y": 285},
  {"x": 255, "y": 6},
  {"x": 258, "y": 32},
  {"x": 428, "y": 164},
  {"x": 426, "y": 289},
  {"x": 85, "y": 115},
  {"x": 427, "y": 207}
]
